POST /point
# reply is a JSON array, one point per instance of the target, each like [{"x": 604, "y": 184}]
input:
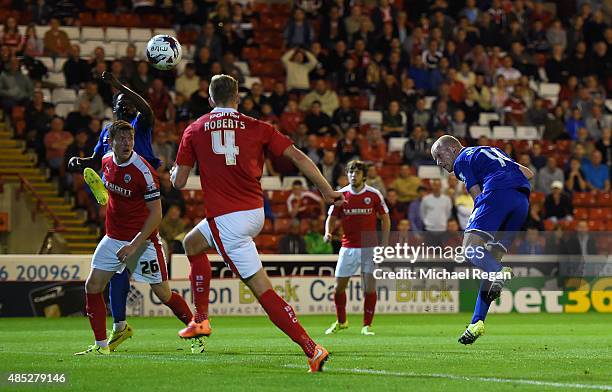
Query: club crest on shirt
[
  {"x": 367, "y": 200},
  {"x": 127, "y": 178}
]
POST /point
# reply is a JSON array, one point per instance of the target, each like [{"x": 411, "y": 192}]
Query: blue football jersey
[
  {"x": 490, "y": 168},
  {"x": 143, "y": 141}
]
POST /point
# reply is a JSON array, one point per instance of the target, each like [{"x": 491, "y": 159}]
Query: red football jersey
[
  {"x": 130, "y": 186},
  {"x": 358, "y": 216},
  {"x": 229, "y": 148}
]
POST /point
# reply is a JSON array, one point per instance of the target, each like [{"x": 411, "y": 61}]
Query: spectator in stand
[
  {"x": 188, "y": 83},
  {"x": 575, "y": 181},
  {"x": 556, "y": 66},
  {"x": 76, "y": 69},
  {"x": 374, "y": 180},
  {"x": 421, "y": 116},
  {"x": 414, "y": 210},
  {"x": 375, "y": 149},
  {"x": 499, "y": 94},
  {"x": 406, "y": 185},
  {"x": 172, "y": 229},
  {"x": 596, "y": 122},
  {"x": 257, "y": 95},
  {"x": 32, "y": 45},
  {"x": 78, "y": 119},
  {"x": 81, "y": 147},
  {"x": 247, "y": 107},
  {"x": 142, "y": 79},
  {"x": 393, "y": 121},
  {"x": 159, "y": 99},
  {"x": 537, "y": 114},
  {"x": 350, "y": 78},
  {"x": 56, "y": 40},
  {"x": 332, "y": 28},
  {"x": 15, "y": 87},
  {"x": 330, "y": 168},
  {"x": 554, "y": 126},
  {"x": 511, "y": 75},
  {"x": 345, "y": 116},
  {"x": 298, "y": 64},
  {"x": 436, "y": 209},
  {"x": 38, "y": 121},
  {"x": 574, "y": 123},
  {"x": 10, "y": 36},
  {"x": 279, "y": 98},
  {"x": 597, "y": 174},
  {"x": 318, "y": 123},
  {"x": 458, "y": 127},
  {"x": 129, "y": 62},
  {"x": 417, "y": 148},
  {"x": 315, "y": 243},
  {"x": 547, "y": 175},
  {"x": 169, "y": 195},
  {"x": 532, "y": 244},
  {"x": 353, "y": 22},
  {"x": 209, "y": 39},
  {"x": 56, "y": 142},
  {"x": 164, "y": 148},
  {"x": 441, "y": 118},
  {"x": 556, "y": 35},
  {"x": 432, "y": 55},
  {"x": 300, "y": 138},
  {"x": 604, "y": 145},
  {"x": 304, "y": 204},
  {"x": 569, "y": 90},
  {"x": 228, "y": 67},
  {"x": 292, "y": 243},
  {"x": 464, "y": 205},
  {"x": 290, "y": 118},
  {"x": 387, "y": 90},
  {"x": 267, "y": 115},
  {"x": 347, "y": 148},
  {"x": 397, "y": 210},
  {"x": 321, "y": 93},
  {"x": 581, "y": 242},
  {"x": 312, "y": 149},
  {"x": 525, "y": 160},
  {"x": 298, "y": 32},
  {"x": 199, "y": 101},
  {"x": 558, "y": 205},
  {"x": 182, "y": 111},
  {"x": 515, "y": 109}
]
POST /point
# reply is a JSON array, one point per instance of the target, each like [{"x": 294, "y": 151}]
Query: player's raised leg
[
  {"x": 340, "y": 303},
  {"x": 195, "y": 245},
  {"x": 96, "y": 310}
]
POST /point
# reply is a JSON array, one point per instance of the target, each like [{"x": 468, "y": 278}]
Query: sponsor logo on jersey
[
  {"x": 118, "y": 190},
  {"x": 358, "y": 211}
]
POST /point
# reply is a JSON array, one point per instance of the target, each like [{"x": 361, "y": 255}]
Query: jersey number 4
[
  {"x": 226, "y": 145},
  {"x": 496, "y": 156}
]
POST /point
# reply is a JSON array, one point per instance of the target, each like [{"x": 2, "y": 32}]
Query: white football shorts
[
  {"x": 351, "y": 260},
  {"x": 147, "y": 266},
  {"x": 232, "y": 235}
]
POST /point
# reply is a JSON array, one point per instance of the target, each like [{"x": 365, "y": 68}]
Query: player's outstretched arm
[
  {"x": 78, "y": 163},
  {"x": 141, "y": 104},
  {"x": 385, "y": 221},
  {"x": 179, "y": 175},
  {"x": 310, "y": 170},
  {"x": 330, "y": 226},
  {"x": 152, "y": 223}
]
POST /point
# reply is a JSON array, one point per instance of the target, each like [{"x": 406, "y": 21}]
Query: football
[{"x": 164, "y": 52}]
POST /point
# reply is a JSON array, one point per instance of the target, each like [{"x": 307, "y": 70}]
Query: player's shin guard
[
  {"x": 200, "y": 284},
  {"x": 484, "y": 260},
  {"x": 284, "y": 317},
  {"x": 482, "y": 303},
  {"x": 96, "y": 311},
  {"x": 369, "y": 306},
  {"x": 118, "y": 291},
  {"x": 340, "y": 301},
  {"x": 179, "y": 308}
]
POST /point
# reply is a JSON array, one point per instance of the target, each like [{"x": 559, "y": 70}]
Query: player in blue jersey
[
  {"x": 130, "y": 107},
  {"x": 500, "y": 188}
]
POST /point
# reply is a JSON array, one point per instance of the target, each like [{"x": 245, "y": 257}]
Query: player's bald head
[
  {"x": 223, "y": 90},
  {"x": 445, "y": 150}
]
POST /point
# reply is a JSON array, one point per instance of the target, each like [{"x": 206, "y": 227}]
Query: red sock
[
  {"x": 179, "y": 308},
  {"x": 369, "y": 306},
  {"x": 200, "y": 284},
  {"x": 283, "y": 316},
  {"x": 340, "y": 301},
  {"x": 96, "y": 311}
]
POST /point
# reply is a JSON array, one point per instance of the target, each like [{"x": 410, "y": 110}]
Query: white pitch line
[{"x": 466, "y": 378}]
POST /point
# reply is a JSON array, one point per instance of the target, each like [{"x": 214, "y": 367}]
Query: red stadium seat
[
  {"x": 604, "y": 199},
  {"x": 563, "y": 145},
  {"x": 268, "y": 83},
  {"x": 609, "y": 226},
  {"x": 17, "y": 113},
  {"x": 327, "y": 142},
  {"x": 280, "y": 211},
  {"x": 581, "y": 213},
  {"x": 568, "y": 225},
  {"x": 282, "y": 225},
  {"x": 390, "y": 171},
  {"x": 394, "y": 158},
  {"x": 249, "y": 53},
  {"x": 583, "y": 199},
  {"x": 278, "y": 197},
  {"x": 267, "y": 241},
  {"x": 104, "y": 19},
  {"x": 600, "y": 214},
  {"x": 129, "y": 20},
  {"x": 268, "y": 227},
  {"x": 537, "y": 197},
  {"x": 596, "y": 225},
  {"x": 360, "y": 102},
  {"x": 549, "y": 225}
]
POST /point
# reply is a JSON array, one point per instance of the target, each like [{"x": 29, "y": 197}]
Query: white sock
[
  {"x": 102, "y": 343},
  {"x": 120, "y": 326}
]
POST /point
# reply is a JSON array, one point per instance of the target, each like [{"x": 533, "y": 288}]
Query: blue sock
[
  {"x": 118, "y": 291},
  {"x": 482, "y": 306},
  {"x": 484, "y": 260}
]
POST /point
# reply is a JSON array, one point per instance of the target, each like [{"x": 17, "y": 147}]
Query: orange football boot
[
  {"x": 195, "y": 330},
  {"x": 318, "y": 359}
]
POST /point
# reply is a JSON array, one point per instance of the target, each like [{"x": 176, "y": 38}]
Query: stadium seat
[
  {"x": 360, "y": 102},
  {"x": 243, "y": 66},
  {"x": 504, "y": 133},
  {"x": 165, "y": 31},
  {"x": 477, "y": 131},
  {"x": 114, "y": 34},
  {"x": 600, "y": 214},
  {"x": 271, "y": 183},
  {"x": 250, "y": 80},
  {"x": 63, "y": 109},
  {"x": 288, "y": 181},
  {"x": 41, "y": 31},
  {"x": 48, "y": 62},
  {"x": 278, "y": 197},
  {"x": 581, "y": 213},
  {"x": 282, "y": 225},
  {"x": 73, "y": 32},
  {"x": 609, "y": 104},
  {"x": 63, "y": 95},
  {"x": 372, "y": 117},
  {"x": 121, "y": 49},
  {"x": 250, "y": 53},
  {"x": 46, "y": 94},
  {"x": 327, "y": 142},
  {"x": 604, "y": 199},
  {"x": 88, "y": 47},
  {"x": 110, "y": 51},
  {"x": 527, "y": 133},
  {"x": 59, "y": 64},
  {"x": 397, "y": 143},
  {"x": 268, "y": 227},
  {"x": 485, "y": 118},
  {"x": 268, "y": 241},
  {"x": 549, "y": 89},
  {"x": 269, "y": 54},
  {"x": 92, "y": 34},
  {"x": 583, "y": 199},
  {"x": 429, "y": 100},
  {"x": 537, "y": 197},
  {"x": 56, "y": 78},
  {"x": 563, "y": 146},
  {"x": 429, "y": 171},
  {"x": 140, "y": 34},
  {"x": 596, "y": 225},
  {"x": 280, "y": 211},
  {"x": 549, "y": 225}
]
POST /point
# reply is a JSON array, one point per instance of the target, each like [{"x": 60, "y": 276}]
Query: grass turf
[{"x": 410, "y": 352}]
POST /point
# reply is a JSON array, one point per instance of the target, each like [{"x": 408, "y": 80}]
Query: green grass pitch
[{"x": 535, "y": 352}]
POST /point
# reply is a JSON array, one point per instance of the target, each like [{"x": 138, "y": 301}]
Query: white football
[{"x": 164, "y": 52}]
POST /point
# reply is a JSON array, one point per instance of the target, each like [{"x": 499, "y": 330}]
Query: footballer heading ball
[{"x": 164, "y": 52}]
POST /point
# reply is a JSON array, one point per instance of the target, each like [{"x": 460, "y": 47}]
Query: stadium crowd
[{"x": 374, "y": 80}]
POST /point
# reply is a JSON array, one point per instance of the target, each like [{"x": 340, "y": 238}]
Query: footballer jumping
[
  {"x": 358, "y": 215},
  {"x": 229, "y": 148},
  {"x": 500, "y": 188}
]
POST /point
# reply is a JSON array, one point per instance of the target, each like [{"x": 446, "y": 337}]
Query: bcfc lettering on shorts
[
  {"x": 118, "y": 190},
  {"x": 358, "y": 211}
]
